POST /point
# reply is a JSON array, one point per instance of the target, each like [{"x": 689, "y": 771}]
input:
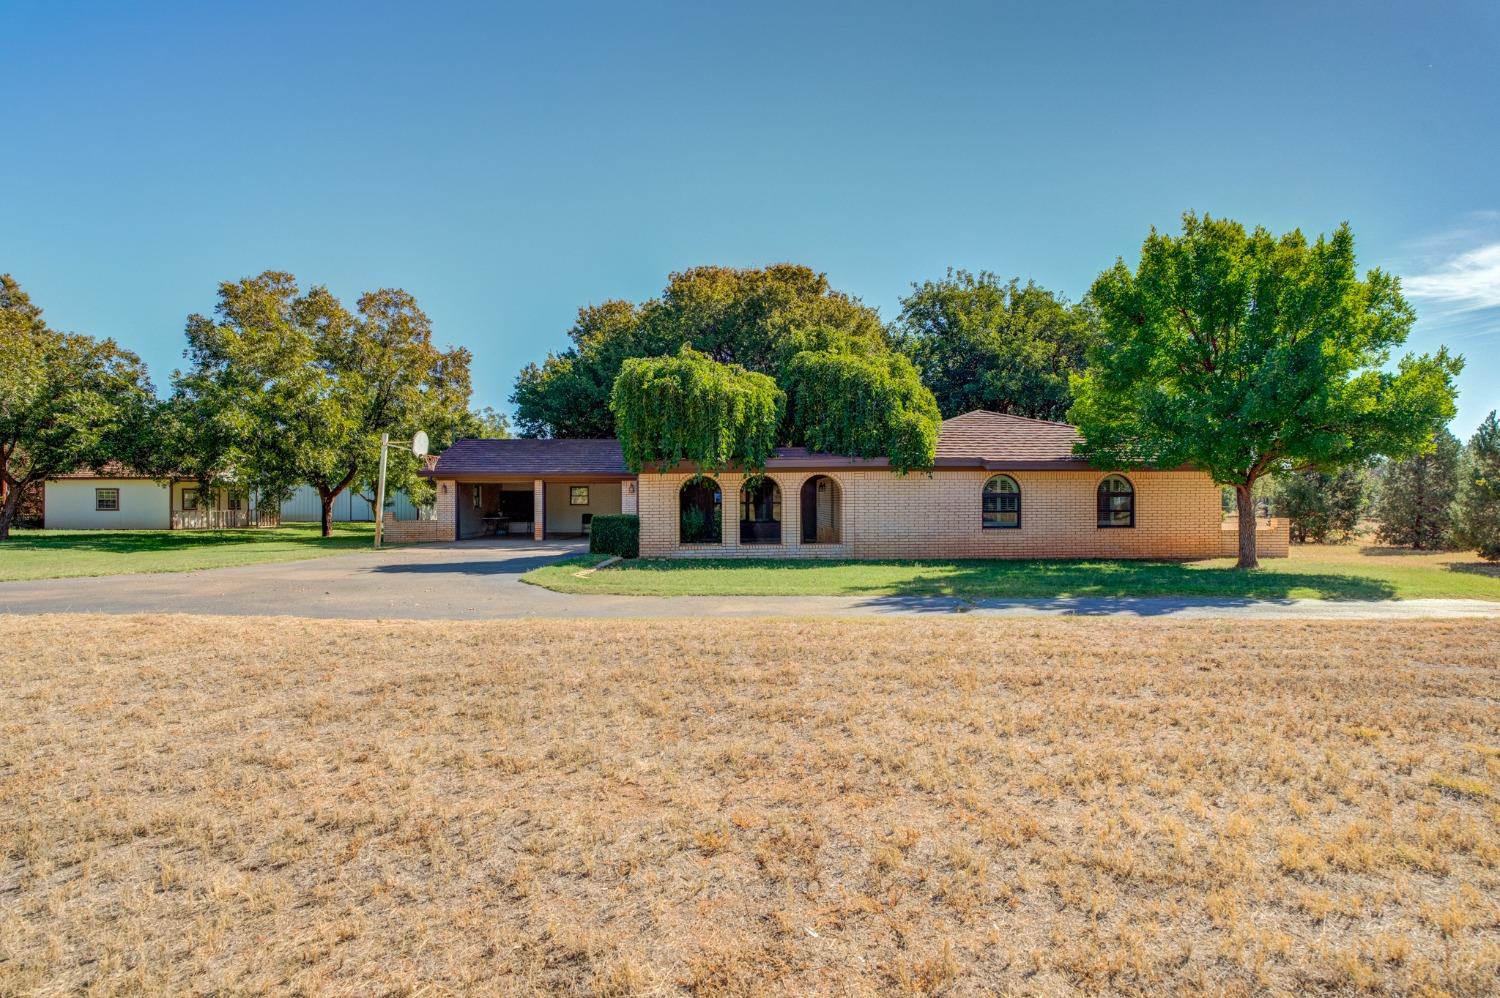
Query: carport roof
[{"x": 529, "y": 458}]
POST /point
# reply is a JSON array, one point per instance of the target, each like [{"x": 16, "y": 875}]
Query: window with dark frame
[
  {"x": 578, "y": 495},
  {"x": 234, "y": 504},
  {"x": 107, "y": 500},
  {"x": 1116, "y": 502},
  {"x": 1000, "y": 506}
]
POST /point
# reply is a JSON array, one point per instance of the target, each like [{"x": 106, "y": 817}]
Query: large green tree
[
  {"x": 756, "y": 318},
  {"x": 1244, "y": 353},
  {"x": 1478, "y": 509},
  {"x": 690, "y": 408},
  {"x": 285, "y": 387},
  {"x": 863, "y": 406},
  {"x": 66, "y": 401},
  {"x": 983, "y": 343},
  {"x": 1414, "y": 495},
  {"x": 567, "y": 395}
]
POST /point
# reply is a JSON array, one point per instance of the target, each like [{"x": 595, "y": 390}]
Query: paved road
[{"x": 481, "y": 581}]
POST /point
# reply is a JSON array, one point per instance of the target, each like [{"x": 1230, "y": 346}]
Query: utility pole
[
  {"x": 385, "y": 441},
  {"x": 418, "y": 445}
]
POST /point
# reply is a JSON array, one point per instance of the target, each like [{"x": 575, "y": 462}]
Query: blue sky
[{"x": 507, "y": 164}]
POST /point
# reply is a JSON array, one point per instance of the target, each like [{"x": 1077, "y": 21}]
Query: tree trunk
[
  {"x": 1244, "y": 504},
  {"x": 329, "y": 495},
  {"x": 8, "y": 509}
]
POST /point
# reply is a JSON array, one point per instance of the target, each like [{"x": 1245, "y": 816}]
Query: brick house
[{"x": 1001, "y": 487}]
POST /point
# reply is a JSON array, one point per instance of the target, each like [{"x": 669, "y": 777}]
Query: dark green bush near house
[{"x": 617, "y": 535}]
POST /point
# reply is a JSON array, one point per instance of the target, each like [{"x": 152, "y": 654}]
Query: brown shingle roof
[
  {"x": 977, "y": 439},
  {"x": 526, "y": 457},
  {"x": 999, "y": 438}
]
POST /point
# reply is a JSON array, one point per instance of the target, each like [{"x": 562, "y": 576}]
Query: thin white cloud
[{"x": 1468, "y": 281}]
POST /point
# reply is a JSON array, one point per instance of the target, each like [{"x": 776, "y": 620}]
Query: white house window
[
  {"x": 189, "y": 499},
  {"x": 107, "y": 500},
  {"x": 234, "y": 504},
  {"x": 578, "y": 495}
]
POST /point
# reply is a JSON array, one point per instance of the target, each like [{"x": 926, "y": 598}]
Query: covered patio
[
  {"x": 534, "y": 509},
  {"x": 532, "y": 489}
]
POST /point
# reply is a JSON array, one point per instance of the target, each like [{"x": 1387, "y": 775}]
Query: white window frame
[{"x": 98, "y": 496}]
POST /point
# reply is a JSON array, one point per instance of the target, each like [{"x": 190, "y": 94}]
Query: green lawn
[
  {"x": 57, "y": 554},
  {"x": 1313, "y": 571}
]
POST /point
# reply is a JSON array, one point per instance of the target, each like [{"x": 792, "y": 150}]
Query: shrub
[{"x": 617, "y": 535}]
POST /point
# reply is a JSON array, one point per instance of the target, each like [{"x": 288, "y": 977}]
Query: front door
[{"x": 809, "y": 512}]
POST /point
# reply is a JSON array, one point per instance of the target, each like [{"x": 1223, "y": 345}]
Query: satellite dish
[{"x": 419, "y": 443}]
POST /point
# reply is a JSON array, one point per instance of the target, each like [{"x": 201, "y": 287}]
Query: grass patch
[
  {"x": 1311, "y": 572},
  {"x": 59, "y": 554},
  {"x": 202, "y": 805}
]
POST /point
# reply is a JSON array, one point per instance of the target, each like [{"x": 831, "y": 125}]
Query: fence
[{"x": 223, "y": 519}]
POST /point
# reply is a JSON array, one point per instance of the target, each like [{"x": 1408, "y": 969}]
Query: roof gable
[{"x": 1001, "y": 438}]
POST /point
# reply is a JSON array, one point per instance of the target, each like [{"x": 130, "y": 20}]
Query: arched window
[
  {"x": 701, "y": 512},
  {"x": 1116, "y": 502},
  {"x": 821, "y": 512},
  {"x": 760, "y": 512},
  {"x": 1001, "y": 504}
]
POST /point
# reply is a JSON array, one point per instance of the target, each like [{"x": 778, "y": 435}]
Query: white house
[{"x": 117, "y": 498}]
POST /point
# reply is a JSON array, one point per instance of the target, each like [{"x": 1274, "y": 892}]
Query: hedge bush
[{"x": 618, "y": 535}]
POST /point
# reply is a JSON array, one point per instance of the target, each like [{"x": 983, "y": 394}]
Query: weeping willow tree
[
  {"x": 692, "y": 409},
  {"x": 862, "y": 406}
]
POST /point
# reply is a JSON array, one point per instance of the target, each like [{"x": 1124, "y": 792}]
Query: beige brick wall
[
  {"x": 1272, "y": 538},
  {"x": 440, "y": 528},
  {"x": 1178, "y": 515}
]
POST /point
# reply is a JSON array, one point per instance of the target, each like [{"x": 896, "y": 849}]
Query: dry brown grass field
[{"x": 195, "y": 805}]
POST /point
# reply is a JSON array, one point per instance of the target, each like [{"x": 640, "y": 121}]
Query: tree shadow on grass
[
  {"x": 1031, "y": 580},
  {"x": 129, "y": 542},
  {"x": 1488, "y": 569},
  {"x": 1390, "y": 551},
  {"x": 1131, "y": 579}
]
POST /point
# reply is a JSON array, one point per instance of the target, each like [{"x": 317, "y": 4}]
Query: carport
[{"x": 530, "y": 488}]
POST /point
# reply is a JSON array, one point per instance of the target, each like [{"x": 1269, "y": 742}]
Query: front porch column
[
  {"x": 729, "y": 507},
  {"x": 538, "y": 510}
]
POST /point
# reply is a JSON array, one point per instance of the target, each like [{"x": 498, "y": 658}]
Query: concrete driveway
[{"x": 480, "y": 580}]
